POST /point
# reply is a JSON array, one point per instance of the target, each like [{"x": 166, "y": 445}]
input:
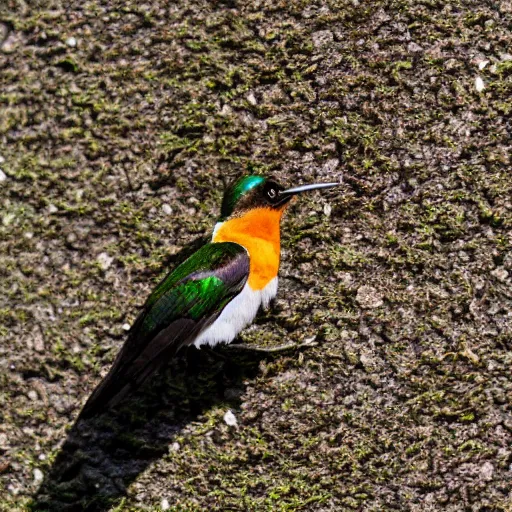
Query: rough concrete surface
[{"x": 120, "y": 121}]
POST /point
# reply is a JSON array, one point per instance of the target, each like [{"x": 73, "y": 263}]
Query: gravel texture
[{"x": 119, "y": 123}]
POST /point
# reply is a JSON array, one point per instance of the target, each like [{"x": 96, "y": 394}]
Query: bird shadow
[{"x": 102, "y": 455}]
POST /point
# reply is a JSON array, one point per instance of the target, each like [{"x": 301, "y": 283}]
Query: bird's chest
[
  {"x": 239, "y": 313},
  {"x": 258, "y": 232}
]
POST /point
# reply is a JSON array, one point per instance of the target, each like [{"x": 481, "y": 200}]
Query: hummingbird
[{"x": 211, "y": 296}]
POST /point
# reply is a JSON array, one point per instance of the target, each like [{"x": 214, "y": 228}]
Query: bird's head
[
  {"x": 250, "y": 216},
  {"x": 254, "y": 192}
]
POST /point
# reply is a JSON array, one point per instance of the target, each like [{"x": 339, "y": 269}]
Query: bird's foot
[{"x": 273, "y": 350}]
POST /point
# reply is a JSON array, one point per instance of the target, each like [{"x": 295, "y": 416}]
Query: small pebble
[
  {"x": 252, "y": 99},
  {"x": 226, "y": 110},
  {"x": 9, "y": 45},
  {"x": 38, "y": 339},
  {"x": 71, "y": 238},
  {"x": 412, "y": 47},
  {"x": 230, "y": 419},
  {"x": 38, "y": 475},
  {"x": 368, "y": 297},
  {"x": 327, "y": 210},
  {"x": 4, "y": 442},
  {"x": 71, "y": 42},
  {"x": 486, "y": 471},
  {"x": 8, "y": 218},
  {"x": 52, "y": 208},
  {"x": 164, "y": 505},
  {"x": 3, "y": 176},
  {"x": 32, "y": 394},
  {"x": 479, "y": 84},
  {"x": 166, "y": 209},
  {"x": 13, "y": 490},
  {"x": 500, "y": 274},
  {"x": 126, "y": 327},
  {"x": 104, "y": 260}
]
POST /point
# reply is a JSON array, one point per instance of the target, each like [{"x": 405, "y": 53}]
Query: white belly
[{"x": 239, "y": 313}]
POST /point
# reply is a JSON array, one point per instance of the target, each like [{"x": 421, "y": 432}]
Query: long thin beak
[{"x": 307, "y": 188}]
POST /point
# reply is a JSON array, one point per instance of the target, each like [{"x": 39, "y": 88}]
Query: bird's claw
[{"x": 273, "y": 350}]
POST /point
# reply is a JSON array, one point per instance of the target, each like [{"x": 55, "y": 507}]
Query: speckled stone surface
[{"x": 119, "y": 123}]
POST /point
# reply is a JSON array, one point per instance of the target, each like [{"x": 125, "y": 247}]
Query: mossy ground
[{"x": 112, "y": 112}]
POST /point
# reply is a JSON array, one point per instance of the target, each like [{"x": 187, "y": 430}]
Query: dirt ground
[{"x": 121, "y": 121}]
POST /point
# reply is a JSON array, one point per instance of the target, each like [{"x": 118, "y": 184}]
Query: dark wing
[{"x": 185, "y": 302}]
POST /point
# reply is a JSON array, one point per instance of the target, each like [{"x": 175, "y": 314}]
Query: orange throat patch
[{"x": 258, "y": 231}]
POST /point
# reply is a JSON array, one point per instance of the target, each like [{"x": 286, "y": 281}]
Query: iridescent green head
[
  {"x": 246, "y": 193},
  {"x": 251, "y": 192}
]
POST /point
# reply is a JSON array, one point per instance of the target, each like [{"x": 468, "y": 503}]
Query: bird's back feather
[{"x": 182, "y": 305}]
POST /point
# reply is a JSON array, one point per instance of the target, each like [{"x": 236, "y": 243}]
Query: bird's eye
[{"x": 272, "y": 193}]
